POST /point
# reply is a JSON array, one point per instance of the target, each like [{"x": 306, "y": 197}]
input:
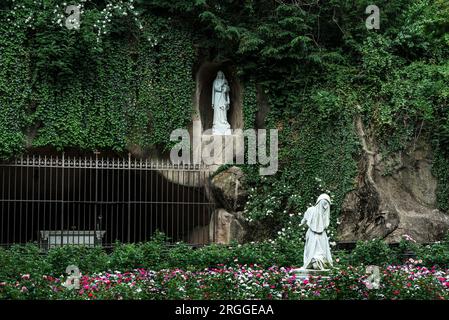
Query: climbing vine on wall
[
  {"x": 130, "y": 84},
  {"x": 14, "y": 88},
  {"x": 166, "y": 83},
  {"x": 250, "y": 106},
  {"x": 317, "y": 153}
]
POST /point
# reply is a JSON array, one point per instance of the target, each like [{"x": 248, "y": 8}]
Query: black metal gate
[{"x": 98, "y": 201}]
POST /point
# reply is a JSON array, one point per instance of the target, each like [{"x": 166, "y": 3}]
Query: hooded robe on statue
[{"x": 317, "y": 254}]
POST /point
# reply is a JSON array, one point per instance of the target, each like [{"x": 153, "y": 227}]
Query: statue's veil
[
  {"x": 220, "y": 75},
  {"x": 318, "y": 216}
]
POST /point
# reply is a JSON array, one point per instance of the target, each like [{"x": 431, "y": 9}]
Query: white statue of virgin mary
[
  {"x": 317, "y": 254},
  {"x": 220, "y": 104}
]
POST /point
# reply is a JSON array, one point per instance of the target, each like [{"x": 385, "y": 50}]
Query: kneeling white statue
[{"x": 317, "y": 254}]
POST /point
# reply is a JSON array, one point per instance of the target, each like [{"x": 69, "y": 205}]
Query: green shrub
[
  {"x": 126, "y": 257},
  {"x": 289, "y": 253},
  {"x": 407, "y": 249},
  {"x": 87, "y": 259},
  {"x": 212, "y": 255},
  {"x": 373, "y": 252},
  {"x": 435, "y": 255},
  {"x": 341, "y": 257},
  {"x": 154, "y": 252},
  {"x": 181, "y": 254},
  {"x": 262, "y": 253},
  {"x": 22, "y": 259}
]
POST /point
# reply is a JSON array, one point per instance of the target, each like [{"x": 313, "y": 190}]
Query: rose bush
[
  {"x": 408, "y": 281},
  {"x": 154, "y": 270}
]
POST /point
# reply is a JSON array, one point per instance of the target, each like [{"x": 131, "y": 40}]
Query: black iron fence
[{"x": 98, "y": 201}]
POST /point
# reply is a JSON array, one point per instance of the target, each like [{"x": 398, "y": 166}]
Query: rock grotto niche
[{"x": 205, "y": 77}]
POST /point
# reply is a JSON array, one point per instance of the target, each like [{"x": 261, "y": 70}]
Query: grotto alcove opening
[
  {"x": 128, "y": 202},
  {"x": 205, "y": 76}
]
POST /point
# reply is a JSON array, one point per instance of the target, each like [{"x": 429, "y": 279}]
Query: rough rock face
[
  {"x": 225, "y": 227},
  {"x": 394, "y": 196},
  {"x": 199, "y": 235},
  {"x": 227, "y": 189}
]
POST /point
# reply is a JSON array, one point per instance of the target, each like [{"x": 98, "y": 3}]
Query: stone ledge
[{"x": 305, "y": 273}]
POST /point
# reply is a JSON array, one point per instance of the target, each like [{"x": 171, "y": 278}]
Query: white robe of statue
[
  {"x": 220, "y": 104},
  {"x": 317, "y": 254}
]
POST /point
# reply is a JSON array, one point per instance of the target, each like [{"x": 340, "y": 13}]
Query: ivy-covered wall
[
  {"x": 15, "y": 88},
  {"x": 396, "y": 79},
  {"x": 72, "y": 88}
]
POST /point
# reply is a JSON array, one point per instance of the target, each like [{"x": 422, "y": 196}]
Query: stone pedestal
[
  {"x": 222, "y": 149},
  {"x": 221, "y": 131},
  {"x": 307, "y": 273}
]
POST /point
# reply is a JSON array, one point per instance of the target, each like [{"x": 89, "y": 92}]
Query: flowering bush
[
  {"x": 435, "y": 254},
  {"x": 373, "y": 252},
  {"x": 260, "y": 270},
  {"x": 409, "y": 281}
]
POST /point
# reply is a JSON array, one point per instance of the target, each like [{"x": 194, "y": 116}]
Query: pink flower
[
  {"x": 24, "y": 289},
  {"x": 26, "y": 277}
]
